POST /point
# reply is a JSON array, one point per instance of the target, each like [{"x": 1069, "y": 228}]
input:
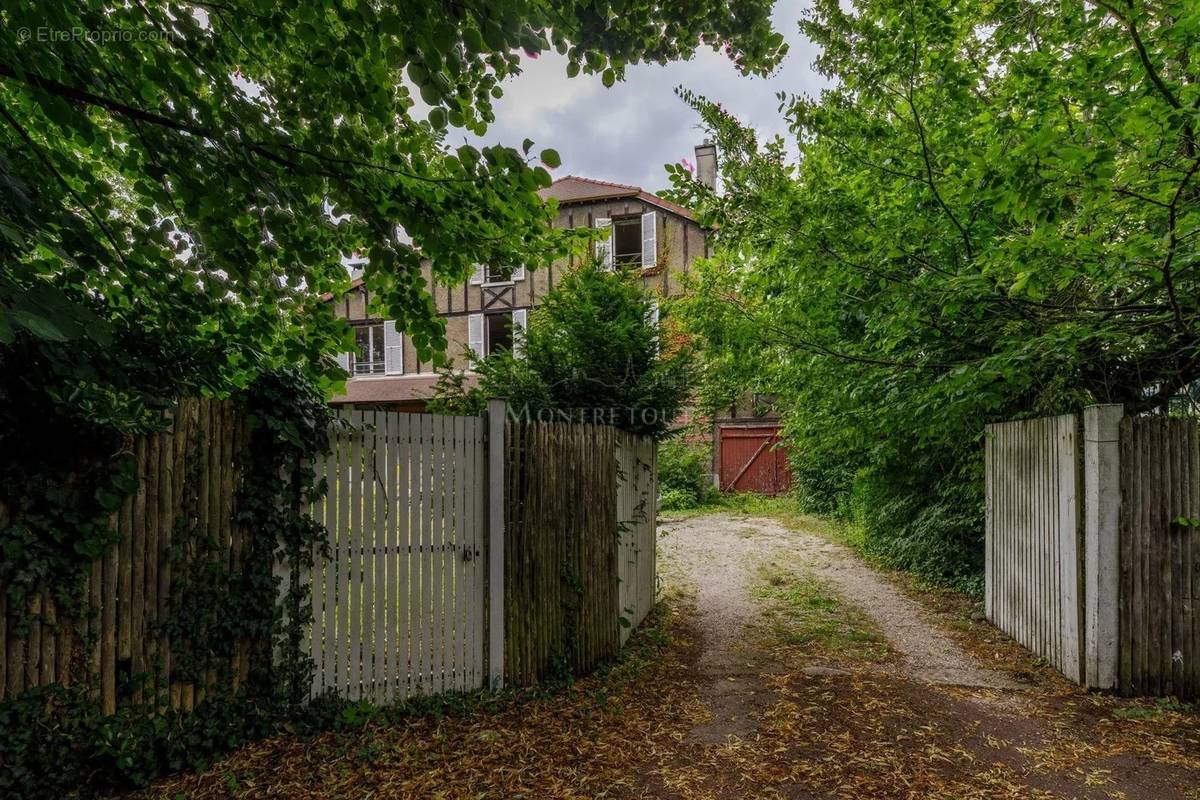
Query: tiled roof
[{"x": 574, "y": 189}]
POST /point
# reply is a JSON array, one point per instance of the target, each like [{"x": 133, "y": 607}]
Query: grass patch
[
  {"x": 802, "y": 613},
  {"x": 783, "y": 509},
  {"x": 786, "y": 511},
  {"x": 1154, "y": 708}
]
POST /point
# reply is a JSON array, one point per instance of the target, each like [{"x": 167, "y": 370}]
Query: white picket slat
[
  {"x": 471, "y": 584},
  {"x": 354, "y": 544},
  {"x": 439, "y": 552},
  {"x": 428, "y": 623},
  {"x": 461, "y": 487},
  {"x": 391, "y": 559},
  {"x": 482, "y": 554},
  {"x": 341, "y": 545},
  {"x": 365, "y": 548},
  {"x": 403, "y": 559},
  {"x": 380, "y": 555}
]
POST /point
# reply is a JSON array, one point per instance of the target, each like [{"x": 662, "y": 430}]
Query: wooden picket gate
[
  {"x": 398, "y": 604},
  {"x": 402, "y": 602}
]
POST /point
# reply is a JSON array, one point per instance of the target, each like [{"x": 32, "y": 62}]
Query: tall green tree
[
  {"x": 994, "y": 214},
  {"x": 181, "y": 179}
]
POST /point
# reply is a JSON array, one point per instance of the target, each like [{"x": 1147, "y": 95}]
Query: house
[{"x": 648, "y": 234}]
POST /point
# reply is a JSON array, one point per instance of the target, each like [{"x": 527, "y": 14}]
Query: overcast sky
[{"x": 626, "y": 133}]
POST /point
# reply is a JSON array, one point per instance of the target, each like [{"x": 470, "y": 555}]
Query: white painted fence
[
  {"x": 1033, "y": 576},
  {"x": 637, "y": 505},
  {"x": 398, "y": 605}
]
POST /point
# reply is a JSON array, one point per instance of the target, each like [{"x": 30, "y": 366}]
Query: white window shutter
[
  {"x": 475, "y": 333},
  {"x": 343, "y": 361},
  {"x": 649, "y": 239},
  {"x": 393, "y": 349},
  {"x": 518, "y": 274},
  {"x": 520, "y": 321},
  {"x": 604, "y": 248},
  {"x": 477, "y": 277}
]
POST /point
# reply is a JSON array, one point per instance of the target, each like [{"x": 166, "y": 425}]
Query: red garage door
[{"x": 752, "y": 460}]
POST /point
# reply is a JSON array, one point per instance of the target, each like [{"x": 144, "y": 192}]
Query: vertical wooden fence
[
  {"x": 188, "y": 481},
  {"x": 1159, "y": 622},
  {"x": 560, "y": 550},
  {"x": 398, "y": 605},
  {"x": 1137, "y": 583},
  {"x": 1033, "y": 579}
]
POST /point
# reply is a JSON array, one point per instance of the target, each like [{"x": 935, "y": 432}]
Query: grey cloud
[{"x": 626, "y": 133}]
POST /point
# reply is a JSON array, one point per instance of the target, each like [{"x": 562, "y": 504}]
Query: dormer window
[{"x": 632, "y": 241}]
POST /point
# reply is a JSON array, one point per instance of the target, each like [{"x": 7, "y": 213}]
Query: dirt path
[
  {"x": 717, "y": 558},
  {"x": 718, "y": 554},
  {"x": 931, "y": 701}
]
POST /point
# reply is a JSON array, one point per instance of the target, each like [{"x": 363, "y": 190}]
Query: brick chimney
[{"x": 706, "y": 164}]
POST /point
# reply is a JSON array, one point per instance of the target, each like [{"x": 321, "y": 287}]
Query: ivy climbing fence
[
  {"x": 182, "y": 518},
  {"x": 459, "y": 552}
]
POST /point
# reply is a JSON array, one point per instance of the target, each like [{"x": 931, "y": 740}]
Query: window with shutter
[
  {"x": 475, "y": 334},
  {"x": 627, "y": 241},
  {"x": 393, "y": 349},
  {"x": 604, "y": 247},
  {"x": 477, "y": 277},
  {"x": 498, "y": 331},
  {"x": 649, "y": 239}
]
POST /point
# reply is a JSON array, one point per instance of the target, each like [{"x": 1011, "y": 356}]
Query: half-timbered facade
[{"x": 648, "y": 234}]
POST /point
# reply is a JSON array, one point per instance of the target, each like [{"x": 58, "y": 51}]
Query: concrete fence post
[
  {"x": 1102, "y": 567},
  {"x": 496, "y": 411}
]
